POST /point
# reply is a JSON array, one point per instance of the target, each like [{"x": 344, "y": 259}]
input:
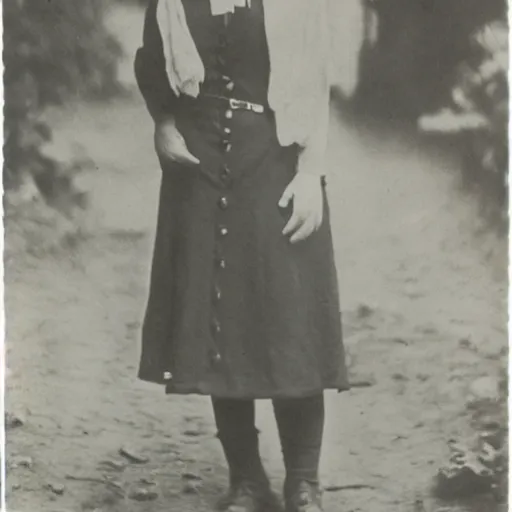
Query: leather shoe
[
  {"x": 305, "y": 497},
  {"x": 250, "y": 497}
]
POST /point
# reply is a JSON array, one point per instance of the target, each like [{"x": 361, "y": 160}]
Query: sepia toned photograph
[{"x": 255, "y": 255}]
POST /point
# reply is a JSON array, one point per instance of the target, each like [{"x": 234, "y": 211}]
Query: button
[
  {"x": 229, "y": 114},
  {"x": 222, "y": 263},
  {"x": 227, "y": 131},
  {"x": 223, "y": 203},
  {"x": 226, "y": 144},
  {"x": 167, "y": 376},
  {"x": 230, "y": 86},
  {"x": 217, "y": 294},
  {"x": 223, "y": 231},
  {"x": 215, "y": 357},
  {"x": 216, "y": 327}
]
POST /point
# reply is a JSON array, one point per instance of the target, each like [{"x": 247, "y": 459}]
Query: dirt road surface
[{"x": 424, "y": 307}]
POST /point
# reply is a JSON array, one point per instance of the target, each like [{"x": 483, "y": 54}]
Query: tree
[
  {"x": 53, "y": 50},
  {"x": 410, "y": 67}
]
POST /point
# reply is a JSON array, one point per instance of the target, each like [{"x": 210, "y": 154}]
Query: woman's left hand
[{"x": 305, "y": 190}]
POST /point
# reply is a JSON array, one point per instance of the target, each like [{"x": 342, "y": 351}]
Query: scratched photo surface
[{"x": 146, "y": 268}]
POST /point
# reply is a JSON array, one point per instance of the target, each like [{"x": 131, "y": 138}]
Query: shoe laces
[{"x": 308, "y": 497}]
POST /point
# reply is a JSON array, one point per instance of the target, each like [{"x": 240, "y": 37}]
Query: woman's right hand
[{"x": 170, "y": 144}]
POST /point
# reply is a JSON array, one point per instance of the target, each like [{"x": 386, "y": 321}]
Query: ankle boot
[
  {"x": 247, "y": 496},
  {"x": 303, "y": 496},
  {"x": 249, "y": 484}
]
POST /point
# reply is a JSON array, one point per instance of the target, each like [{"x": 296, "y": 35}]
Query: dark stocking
[
  {"x": 235, "y": 420},
  {"x": 301, "y": 424}
]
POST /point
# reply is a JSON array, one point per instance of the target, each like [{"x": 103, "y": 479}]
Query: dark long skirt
[{"x": 235, "y": 310}]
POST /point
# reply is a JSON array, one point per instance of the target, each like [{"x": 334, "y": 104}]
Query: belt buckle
[
  {"x": 246, "y": 105},
  {"x": 238, "y": 104}
]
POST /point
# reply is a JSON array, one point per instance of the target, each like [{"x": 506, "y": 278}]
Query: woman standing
[{"x": 243, "y": 301}]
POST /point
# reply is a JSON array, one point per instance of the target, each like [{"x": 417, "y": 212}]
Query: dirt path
[{"x": 424, "y": 314}]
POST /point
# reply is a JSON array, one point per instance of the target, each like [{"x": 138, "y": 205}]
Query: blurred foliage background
[
  {"x": 53, "y": 51},
  {"x": 443, "y": 64},
  {"x": 444, "y": 58}
]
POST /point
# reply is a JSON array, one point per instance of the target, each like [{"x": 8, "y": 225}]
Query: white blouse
[{"x": 225, "y": 6}]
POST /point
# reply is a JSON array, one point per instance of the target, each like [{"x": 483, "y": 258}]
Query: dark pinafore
[{"x": 234, "y": 309}]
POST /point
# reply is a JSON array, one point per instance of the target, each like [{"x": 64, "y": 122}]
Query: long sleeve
[
  {"x": 150, "y": 70},
  {"x": 312, "y": 157}
]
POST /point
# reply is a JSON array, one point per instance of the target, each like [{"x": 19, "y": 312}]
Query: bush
[
  {"x": 408, "y": 65},
  {"x": 478, "y": 114},
  {"x": 53, "y": 50},
  {"x": 428, "y": 54}
]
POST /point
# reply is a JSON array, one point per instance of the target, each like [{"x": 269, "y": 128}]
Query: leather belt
[{"x": 235, "y": 104}]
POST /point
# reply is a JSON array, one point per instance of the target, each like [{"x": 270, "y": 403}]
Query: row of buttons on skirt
[{"x": 222, "y": 232}]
